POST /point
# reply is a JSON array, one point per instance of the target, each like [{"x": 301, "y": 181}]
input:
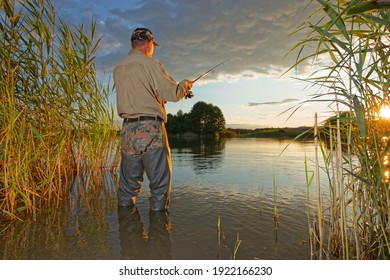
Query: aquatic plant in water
[
  {"x": 352, "y": 38},
  {"x": 55, "y": 116}
]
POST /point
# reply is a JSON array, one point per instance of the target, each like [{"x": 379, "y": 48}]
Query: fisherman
[{"x": 143, "y": 86}]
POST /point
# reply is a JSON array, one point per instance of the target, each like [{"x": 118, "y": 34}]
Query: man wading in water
[{"x": 142, "y": 87}]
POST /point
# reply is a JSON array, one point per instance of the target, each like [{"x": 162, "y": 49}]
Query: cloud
[
  {"x": 196, "y": 35},
  {"x": 275, "y": 103}
]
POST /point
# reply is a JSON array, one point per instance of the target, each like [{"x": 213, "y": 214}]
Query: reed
[
  {"x": 236, "y": 246},
  {"x": 309, "y": 180},
  {"x": 55, "y": 116},
  {"x": 276, "y": 212},
  {"x": 219, "y": 231},
  {"x": 86, "y": 229},
  {"x": 352, "y": 37}
]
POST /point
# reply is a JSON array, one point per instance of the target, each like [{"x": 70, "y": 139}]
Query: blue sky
[{"x": 197, "y": 35}]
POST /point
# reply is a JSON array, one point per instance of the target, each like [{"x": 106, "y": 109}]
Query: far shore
[
  {"x": 302, "y": 133},
  {"x": 299, "y": 133}
]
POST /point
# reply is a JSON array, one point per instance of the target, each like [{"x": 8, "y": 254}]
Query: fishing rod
[
  {"x": 208, "y": 71},
  {"x": 190, "y": 94}
]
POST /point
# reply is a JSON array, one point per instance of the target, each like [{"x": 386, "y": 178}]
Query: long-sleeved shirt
[{"x": 143, "y": 86}]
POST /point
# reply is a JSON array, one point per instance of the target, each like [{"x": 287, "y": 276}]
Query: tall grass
[
  {"x": 55, "y": 117},
  {"x": 351, "y": 39}
]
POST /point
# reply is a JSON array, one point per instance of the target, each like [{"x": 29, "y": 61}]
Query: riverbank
[
  {"x": 299, "y": 133},
  {"x": 302, "y": 133}
]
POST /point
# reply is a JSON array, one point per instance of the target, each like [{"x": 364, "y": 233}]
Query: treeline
[
  {"x": 299, "y": 133},
  {"x": 208, "y": 120},
  {"x": 203, "y": 119}
]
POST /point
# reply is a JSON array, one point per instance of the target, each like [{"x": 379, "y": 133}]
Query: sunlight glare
[{"x": 385, "y": 112}]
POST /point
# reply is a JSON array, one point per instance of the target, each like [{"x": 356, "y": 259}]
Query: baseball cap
[{"x": 143, "y": 34}]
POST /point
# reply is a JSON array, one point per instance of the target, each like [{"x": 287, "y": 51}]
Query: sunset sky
[{"x": 197, "y": 35}]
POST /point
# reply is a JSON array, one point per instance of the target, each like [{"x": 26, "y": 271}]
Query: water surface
[{"x": 255, "y": 188}]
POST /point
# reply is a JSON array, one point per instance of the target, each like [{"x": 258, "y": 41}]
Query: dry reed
[
  {"x": 355, "y": 142},
  {"x": 55, "y": 116}
]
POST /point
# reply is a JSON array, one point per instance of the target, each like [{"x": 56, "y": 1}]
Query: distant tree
[
  {"x": 170, "y": 123},
  {"x": 203, "y": 119},
  {"x": 178, "y": 123},
  {"x": 206, "y": 119}
]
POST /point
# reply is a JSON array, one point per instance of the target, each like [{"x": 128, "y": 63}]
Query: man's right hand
[
  {"x": 189, "y": 94},
  {"x": 188, "y": 84}
]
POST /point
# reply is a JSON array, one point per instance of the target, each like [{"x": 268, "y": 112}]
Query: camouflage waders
[{"x": 145, "y": 149}]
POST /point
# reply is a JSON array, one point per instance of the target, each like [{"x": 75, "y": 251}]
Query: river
[{"x": 232, "y": 199}]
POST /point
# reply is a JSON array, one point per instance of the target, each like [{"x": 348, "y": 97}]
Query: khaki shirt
[{"x": 143, "y": 86}]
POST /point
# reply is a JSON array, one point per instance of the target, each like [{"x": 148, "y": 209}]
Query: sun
[{"x": 385, "y": 112}]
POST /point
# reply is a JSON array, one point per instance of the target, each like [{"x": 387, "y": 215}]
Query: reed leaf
[
  {"x": 359, "y": 116},
  {"x": 56, "y": 121},
  {"x": 336, "y": 17},
  {"x": 354, "y": 36}
]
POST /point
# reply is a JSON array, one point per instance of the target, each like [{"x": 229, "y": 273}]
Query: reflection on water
[
  {"x": 206, "y": 154},
  {"x": 233, "y": 179},
  {"x": 139, "y": 243}
]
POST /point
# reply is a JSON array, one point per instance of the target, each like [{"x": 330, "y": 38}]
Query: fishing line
[{"x": 211, "y": 69}]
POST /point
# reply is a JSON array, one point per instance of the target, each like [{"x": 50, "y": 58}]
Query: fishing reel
[{"x": 189, "y": 95}]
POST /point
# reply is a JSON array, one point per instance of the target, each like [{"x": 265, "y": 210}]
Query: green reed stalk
[
  {"x": 276, "y": 213},
  {"x": 353, "y": 37},
  {"x": 340, "y": 186},
  {"x": 55, "y": 117},
  {"x": 309, "y": 181},
  {"x": 219, "y": 230},
  {"x": 318, "y": 188},
  {"x": 236, "y": 246}
]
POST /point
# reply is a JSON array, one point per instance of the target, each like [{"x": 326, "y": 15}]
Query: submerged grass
[
  {"x": 353, "y": 37},
  {"x": 55, "y": 117}
]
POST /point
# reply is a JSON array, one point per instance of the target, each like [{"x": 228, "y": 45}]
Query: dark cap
[{"x": 143, "y": 34}]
